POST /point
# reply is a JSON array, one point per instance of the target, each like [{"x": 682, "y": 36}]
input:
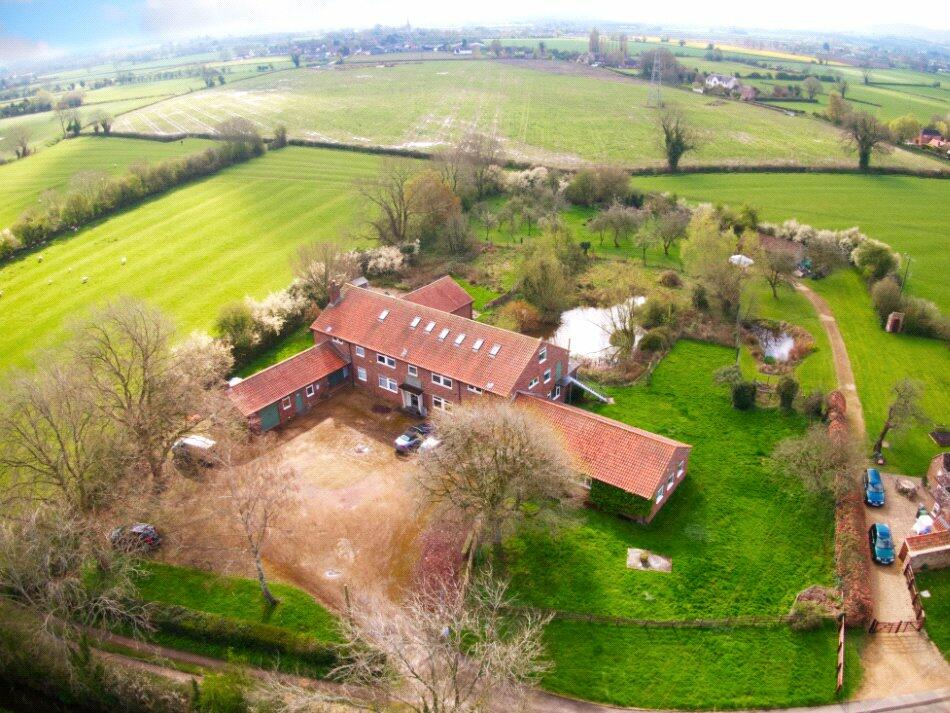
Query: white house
[{"x": 714, "y": 81}]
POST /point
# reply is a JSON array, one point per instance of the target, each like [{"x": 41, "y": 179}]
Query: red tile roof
[
  {"x": 284, "y": 378},
  {"x": 444, "y": 294},
  {"x": 617, "y": 454},
  {"x": 356, "y": 319}
]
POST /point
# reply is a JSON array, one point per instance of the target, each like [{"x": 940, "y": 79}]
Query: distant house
[
  {"x": 926, "y": 136},
  {"x": 721, "y": 81},
  {"x": 444, "y": 294},
  {"x": 276, "y": 395},
  {"x": 629, "y": 471}
]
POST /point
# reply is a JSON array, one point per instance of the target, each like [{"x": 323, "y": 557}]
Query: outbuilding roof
[
  {"x": 444, "y": 294},
  {"x": 612, "y": 452},
  {"x": 284, "y": 378},
  {"x": 473, "y": 353}
]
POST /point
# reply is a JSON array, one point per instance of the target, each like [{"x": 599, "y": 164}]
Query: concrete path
[{"x": 842, "y": 362}]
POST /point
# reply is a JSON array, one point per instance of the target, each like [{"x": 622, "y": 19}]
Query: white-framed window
[
  {"x": 443, "y": 334},
  {"x": 285, "y": 403},
  {"x": 586, "y": 482},
  {"x": 361, "y": 373},
  {"x": 386, "y": 360},
  {"x": 547, "y": 375},
  {"x": 557, "y": 392},
  {"x": 474, "y": 389},
  {"x": 337, "y": 340},
  {"x": 680, "y": 469},
  {"x": 659, "y": 495},
  {"x": 413, "y": 370},
  {"x": 533, "y": 383},
  {"x": 310, "y": 390},
  {"x": 415, "y": 322},
  {"x": 442, "y": 380},
  {"x": 543, "y": 355},
  {"x": 670, "y": 482},
  {"x": 387, "y": 383},
  {"x": 360, "y": 352},
  {"x": 441, "y": 404}
]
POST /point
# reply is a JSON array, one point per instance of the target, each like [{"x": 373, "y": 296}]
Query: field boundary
[{"x": 725, "y": 623}]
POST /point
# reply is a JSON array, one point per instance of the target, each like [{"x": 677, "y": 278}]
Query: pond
[
  {"x": 585, "y": 331},
  {"x": 775, "y": 344}
]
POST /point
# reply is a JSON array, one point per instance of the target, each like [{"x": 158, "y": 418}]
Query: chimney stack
[{"x": 334, "y": 292}]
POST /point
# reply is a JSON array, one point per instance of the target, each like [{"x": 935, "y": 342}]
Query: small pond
[
  {"x": 585, "y": 331},
  {"x": 775, "y": 344}
]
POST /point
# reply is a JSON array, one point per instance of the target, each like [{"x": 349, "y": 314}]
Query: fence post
[{"x": 840, "y": 682}]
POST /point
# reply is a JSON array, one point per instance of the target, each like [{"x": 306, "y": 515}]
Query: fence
[
  {"x": 840, "y": 681},
  {"x": 897, "y": 627},
  {"x": 729, "y": 622}
]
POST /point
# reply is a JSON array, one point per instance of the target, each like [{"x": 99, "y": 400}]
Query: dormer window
[{"x": 415, "y": 322}]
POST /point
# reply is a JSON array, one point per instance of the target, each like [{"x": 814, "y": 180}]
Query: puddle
[
  {"x": 585, "y": 331},
  {"x": 777, "y": 345}
]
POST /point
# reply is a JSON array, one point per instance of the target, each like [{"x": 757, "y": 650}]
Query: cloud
[{"x": 22, "y": 49}]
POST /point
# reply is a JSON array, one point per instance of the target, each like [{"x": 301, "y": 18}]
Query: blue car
[
  {"x": 882, "y": 545},
  {"x": 873, "y": 488}
]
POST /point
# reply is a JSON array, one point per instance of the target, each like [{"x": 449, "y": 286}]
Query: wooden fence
[
  {"x": 898, "y": 627},
  {"x": 840, "y": 681}
]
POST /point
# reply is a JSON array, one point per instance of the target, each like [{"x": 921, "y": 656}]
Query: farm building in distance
[{"x": 423, "y": 352}]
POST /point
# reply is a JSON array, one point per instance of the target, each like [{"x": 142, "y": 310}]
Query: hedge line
[
  {"x": 615, "y": 501},
  {"x": 252, "y": 636}
]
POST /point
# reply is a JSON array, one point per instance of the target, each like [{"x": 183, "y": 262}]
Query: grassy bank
[{"x": 937, "y": 582}]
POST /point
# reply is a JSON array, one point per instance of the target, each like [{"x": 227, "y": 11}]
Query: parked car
[
  {"x": 873, "y": 488},
  {"x": 413, "y": 437},
  {"x": 882, "y": 545},
  {"x": 140, "y": 537}
]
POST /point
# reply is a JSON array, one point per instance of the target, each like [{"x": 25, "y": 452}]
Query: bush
[
  {"x": 598, "y": 185},
  {"x": 787, "y": 391},
  {"x": 743, "y": 395},
  {"x": 886, "y": 296},
  {"x": 656, "y": 340},
  {"x": 659, "y": 312},
  {"x": 222, "y": 693},
  {"x": 813, "y": 405},
  {"x": 523, "y": 315},
  {"x": 545, "y": 285},
  {"x": 921, "y": 317},
  {"x": 671, "y": 279},
  {"x": 700, "y": 299},
  {"x": 807, "y": 615},
  {"x": 875, "y": 260}
]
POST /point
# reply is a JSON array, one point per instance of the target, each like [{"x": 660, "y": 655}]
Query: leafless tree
[
  {"x": 54, "y": 442},
  {"x": 154, "y": 394},
  {"x": 495, "y": 457},
  {"x": 260, "y": 490},
  {"x": 623, "y": 323},
  {"x": 904, "y": 411},
  {"x": 671, "y": 226},
  {"x": 445, "y": 651},
  {"x": 396, "y": 206},
  {"x": 66, "y": 116},
  {"x": 677, "y": 137},
  {"x": 19, "y": 137},
  {"x": 818, "y": 459},
  {"x": 621, "y": 220},
  {"x": 474, "y": 157},
  {"x": 316, "y": 265},
  {"x": 776, "y": 267}
]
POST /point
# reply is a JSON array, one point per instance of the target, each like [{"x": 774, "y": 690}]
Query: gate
[{"x": 896, "y": 627}]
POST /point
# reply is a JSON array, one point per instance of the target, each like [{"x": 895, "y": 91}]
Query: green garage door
[{"x": 270, "y": 417}]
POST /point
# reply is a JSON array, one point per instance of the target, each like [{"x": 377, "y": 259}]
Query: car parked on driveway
[
  {"x": 873, "y": 488},
  {"x": 882, "y": 544},
  {"x": 414, "y": 438}
]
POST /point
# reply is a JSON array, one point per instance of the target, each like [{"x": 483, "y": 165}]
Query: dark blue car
[
  {"x": 873, "y": 488},
  {"x": 882, "y": 544}
]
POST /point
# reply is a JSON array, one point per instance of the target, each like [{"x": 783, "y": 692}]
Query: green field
[
  {"x": 899, "y": 210},
  {"x": 937, "y": 606},
  {"x": 22, "y": 182},
  {"x": 554, "y": 116},
  {"x": 189, "y": 251}
]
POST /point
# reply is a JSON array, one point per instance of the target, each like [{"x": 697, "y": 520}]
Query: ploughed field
[
  {"x": 189, "y": 251},
  {"x": 543, "y": 111}
]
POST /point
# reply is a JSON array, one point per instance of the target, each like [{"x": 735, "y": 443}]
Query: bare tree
[
  {"x": 621, "y": 220},
  {"x": 54, "y": 442},
  {"x": 260, "y": 490},
  {"x": 316, "y": 265},
  {"x": 153, "y": 394},
  {"x": 812, "y": 87},
  {"x": 817, "y": 458},
  {"x": 445, "y": 651},
  {"x": 389, "y": 193},
  {"x": 904, "y": 411},
  {"x": 66, "y": 116},
  {"x": 776, "y": 267},
  {"x": 19, "y": 137},
  {"x": 495, "y": 457},
  {"x": 865, "y": 134},
  {"x": 677, "y": 136},
  {"x": 646, "y": 237},
  {"x": 480, "y": 152}
]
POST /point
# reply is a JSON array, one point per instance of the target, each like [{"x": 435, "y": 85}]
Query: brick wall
[
  {"x": 932, "y": 550},
  {"x": 321, "y": 392},
  {"x": 681, "y": 455}
]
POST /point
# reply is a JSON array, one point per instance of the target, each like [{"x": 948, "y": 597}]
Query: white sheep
[
  {"x": 123, "y": 260},
  {"x": 85, "y": 279}
]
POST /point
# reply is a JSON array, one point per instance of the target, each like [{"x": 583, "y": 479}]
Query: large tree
[
  {"x": 904, "y": 411},
  {"x": 776, "y": 267},
  {"x": 494, "y": 458},
  {"x": 707, "y": 252},
  {"x": 818, "y": 459},
  {"x": 316, "y": 265},
  {"x": 865, "y": 134},
  {"x": 676, "y": 135},
  {"x": 19, "y": 137}
]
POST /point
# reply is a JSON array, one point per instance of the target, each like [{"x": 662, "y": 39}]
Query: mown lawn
[
  {"x": 189, "y": 251},
  {"x": 236, "y": 597},
  {"x": 742, "y": 539},
  {"x": 480, "y": 295},
  {"x": 22, "y": 182},
  {"x": 879, "y": 360},
  {"x": 293, "y": 343},
  {"x": 937, "y": 582},
  {"x": 698, "y": 669},
  {"x": 902, "y": 211}
]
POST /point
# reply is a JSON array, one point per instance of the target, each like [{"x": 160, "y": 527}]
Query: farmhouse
[
  {"x": 422, "y": 352},
  {"x": 721, "y": 81}
]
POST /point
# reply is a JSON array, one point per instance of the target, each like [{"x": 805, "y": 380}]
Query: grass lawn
[
  {"x": 189, "y": 251},
  {"x": 742, "y": 540},
  {"x": 899, "y": 210},
  {"x": 937, "y": 582},
  {"x": 551, "y": 116},
  {"x": 22, "y": 182},
  {"x": 480, "y": 295},
  {"x": 293, "y": 343},
  {"x": 237, "y": 598},
  {"x": 879, "y": 360},
  {"x": 697, "y": 669}
]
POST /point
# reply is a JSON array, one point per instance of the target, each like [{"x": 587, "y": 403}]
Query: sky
[{"x": 46, "y": 28}]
